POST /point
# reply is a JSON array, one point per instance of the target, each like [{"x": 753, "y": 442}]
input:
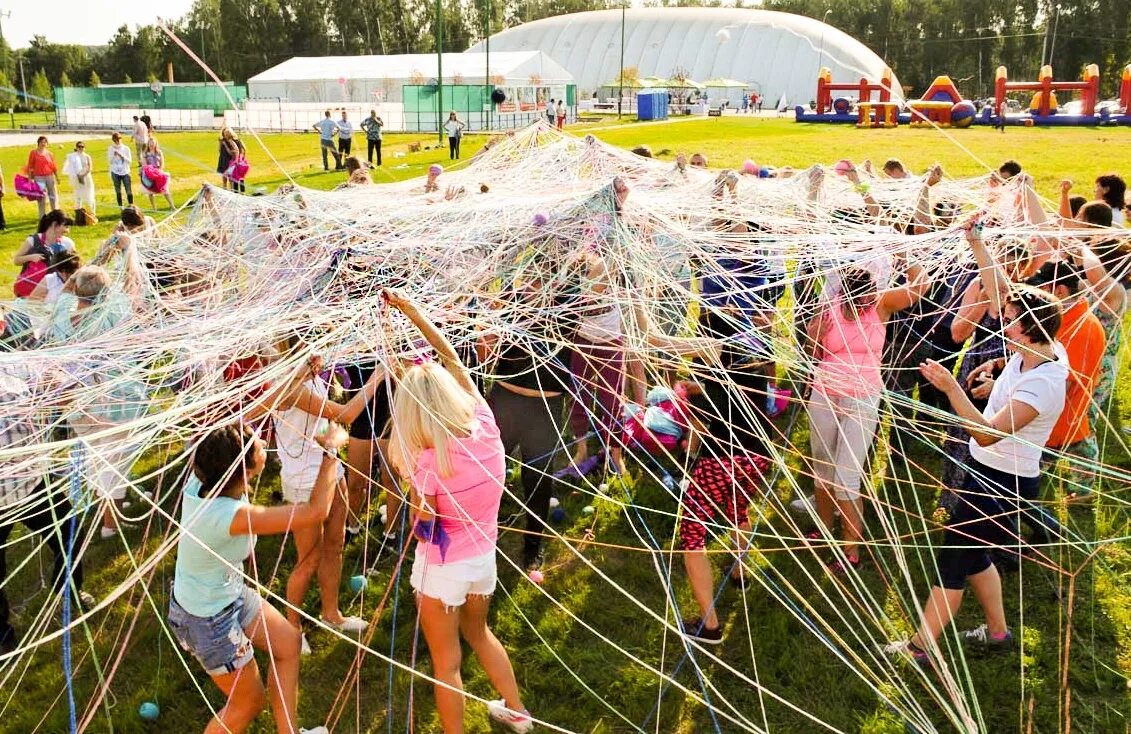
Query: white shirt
[
  {"x": 345, "y": 129},
  {"x": 602, "y": 327},
  {"x": 299, "y": 454},
  {"x": 1117, "y": 218},
  {"x": 76, "y": 163},
  {"x": 141, "y": 133},
  {"x": 453, "y": 128},
  {"x": 1041, "y": 387},
  {"x": 120, "y": 158}
]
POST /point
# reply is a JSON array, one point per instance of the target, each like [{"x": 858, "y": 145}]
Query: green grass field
[{"x": 568, "y": 668}]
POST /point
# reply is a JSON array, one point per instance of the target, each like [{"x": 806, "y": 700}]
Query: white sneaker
[
  {"x": 305, "y": 649},
  {"x": 348, "y": 625},
  {"x": 107, "y": 533},
  {"x": 517, "y": 721},
  {"x": 315, "y": 730}
]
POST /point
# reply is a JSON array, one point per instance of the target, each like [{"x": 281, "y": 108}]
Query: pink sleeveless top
[{"x": 852, "y": 353}]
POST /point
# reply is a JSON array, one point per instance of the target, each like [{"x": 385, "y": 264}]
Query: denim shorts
[{"x": 218, "y": 642}]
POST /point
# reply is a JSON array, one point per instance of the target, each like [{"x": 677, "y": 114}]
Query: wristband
[{"x": 862, "y": 188}]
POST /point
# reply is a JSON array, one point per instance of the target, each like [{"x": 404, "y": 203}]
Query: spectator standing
[
  {"x": 120, "y": 159},
  {"x": 42, "y": 169},
  {"x": 345, "y": 136},
  {"x": 372, "y": 126},
  {"x": 79, "y": 169},
  {"x": 326, "y": 128},
  {"x": 141, "y": 138}
]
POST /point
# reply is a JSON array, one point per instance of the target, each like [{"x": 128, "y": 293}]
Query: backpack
[{"x": 32, "y": 272}]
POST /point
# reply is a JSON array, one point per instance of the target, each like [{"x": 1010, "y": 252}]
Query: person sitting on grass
[
  {"x": 213, "y": 613},
  {"x": 1006, "y": 441}
]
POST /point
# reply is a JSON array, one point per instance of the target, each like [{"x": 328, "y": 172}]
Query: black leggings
[
  {"x": 534, "y": 426},
  {"x": 374, "y": 145},
  {"x": 40, "y": 517},
  {"x": 453, "y": 148}
]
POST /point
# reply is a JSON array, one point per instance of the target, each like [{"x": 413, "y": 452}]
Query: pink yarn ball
[
  {"x": 540, "y": 219},
  {"x": 537, "y": 576},
  {"x": 749, "y": 167},
  {"x": 843, "y": 166}
]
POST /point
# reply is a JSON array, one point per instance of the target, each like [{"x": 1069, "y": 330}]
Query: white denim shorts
[{"x": 452, "y": 582}]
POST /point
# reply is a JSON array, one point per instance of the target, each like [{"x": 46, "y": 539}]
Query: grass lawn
[{"x": 593, "y": 670}]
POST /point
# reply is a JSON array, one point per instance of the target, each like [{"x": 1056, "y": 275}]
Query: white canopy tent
[{"x": 366, "y": 80}]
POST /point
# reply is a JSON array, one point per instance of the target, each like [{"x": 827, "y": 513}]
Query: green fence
[
  {"x": 143, "y": 96},
  {"x": 472, "y": 104}
]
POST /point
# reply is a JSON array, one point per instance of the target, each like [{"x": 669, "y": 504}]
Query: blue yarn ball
[
  {"x": 357, "y": 583},
  {"x": 149, "y": 711},
  {"x": 557, "y": 516}
]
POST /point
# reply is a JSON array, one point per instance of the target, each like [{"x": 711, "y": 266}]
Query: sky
[{"x": 86, "y": 22}]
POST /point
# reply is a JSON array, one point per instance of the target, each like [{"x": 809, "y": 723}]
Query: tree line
[{"x": 966, "y": 39}]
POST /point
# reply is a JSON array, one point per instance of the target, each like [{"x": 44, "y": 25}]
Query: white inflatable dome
[{"x": 778, "y": 54}]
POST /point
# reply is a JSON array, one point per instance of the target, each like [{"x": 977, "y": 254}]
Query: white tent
[
  {"x": 365, "y": 80},
  {"x": 777, "y": 53}
]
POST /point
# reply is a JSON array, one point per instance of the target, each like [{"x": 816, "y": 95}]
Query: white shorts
[
  {"x": 107, "y": 460},
  {"x": 452, "y": 582},
  {"x": 298, "y": 490}
]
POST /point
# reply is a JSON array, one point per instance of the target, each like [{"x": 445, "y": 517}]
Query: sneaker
[
  {"x": 694, "y": 629},
  {"x": 348, "y": 625},
  {"x": 87, "y": 600},
  {"x": 106, "y": 533},
  {"x": 803, "y": 505},
  {"x": 904, "y": 648},
  {"x": 534, "y": 562},
  {"x": 577, "y": 471},
  {"x": 304, "y": 649},
  {"x": 516, "y": 721},
  {"x": 980, "y": 638},
  {"x": 315, "y": 730},
  {"x": 352, "y": 533}
]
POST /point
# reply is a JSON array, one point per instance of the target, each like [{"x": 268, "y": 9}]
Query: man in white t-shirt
[
  {"x": 345, "y": 135},
  {"x": 326, "y": 128},
  {"x": 119, "y": 156}
]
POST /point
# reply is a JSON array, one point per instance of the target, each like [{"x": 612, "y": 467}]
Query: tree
[
  {"x": 40, "y": 91},
  {"x": 94, "y": 80},
  {"x": 7, "y": 94},
  {"x": 64, "y": 80}
]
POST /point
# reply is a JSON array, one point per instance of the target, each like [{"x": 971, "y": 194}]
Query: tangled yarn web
[{"x": 484, "y": 251}]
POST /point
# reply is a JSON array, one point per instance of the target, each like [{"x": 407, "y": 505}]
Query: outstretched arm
[{"x": 444, "y": 349}]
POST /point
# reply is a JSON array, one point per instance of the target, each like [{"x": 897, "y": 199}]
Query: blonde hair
[
  {"x": 90, "y": 281},
  {"x": 429, "y": 409}
]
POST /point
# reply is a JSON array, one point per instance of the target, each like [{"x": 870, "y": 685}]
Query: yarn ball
[
  {"x": 588, "y": 509},
  {"x": 149, "y": 711},
  {"x": 557, "y": 516},
  {"x": 536, "y": 576},
  {"x": 435, "y": 169},
  {"x": 540, "y": 219},
  {"x": 357, "y": 583}
]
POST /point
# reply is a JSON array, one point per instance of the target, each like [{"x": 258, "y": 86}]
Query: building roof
[
  {"x": 777, "y": 53},
  {"x": 515, "y": 66}
]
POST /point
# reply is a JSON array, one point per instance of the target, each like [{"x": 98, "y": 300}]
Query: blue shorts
[{"x": 218, "y": 642}]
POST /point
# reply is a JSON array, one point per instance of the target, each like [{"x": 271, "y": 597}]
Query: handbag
[
  {"x": 32, "y": 272},
  {"x": 27, "y": 188}
]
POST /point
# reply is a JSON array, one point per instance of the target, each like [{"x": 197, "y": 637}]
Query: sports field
[{"x": 1081, "y": 607}]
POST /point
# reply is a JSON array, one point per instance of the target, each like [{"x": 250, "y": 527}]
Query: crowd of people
[{"x": 1010, "y": 346}]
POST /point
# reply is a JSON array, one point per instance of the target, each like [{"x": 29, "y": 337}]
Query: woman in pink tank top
[{"x": 848, "y": 341}]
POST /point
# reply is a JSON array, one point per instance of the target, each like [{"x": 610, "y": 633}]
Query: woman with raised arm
[
  {"x": 1006, "y": 440},
  {"x": 213, "y": 612},
  {"x": 446, "y": 442}
]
